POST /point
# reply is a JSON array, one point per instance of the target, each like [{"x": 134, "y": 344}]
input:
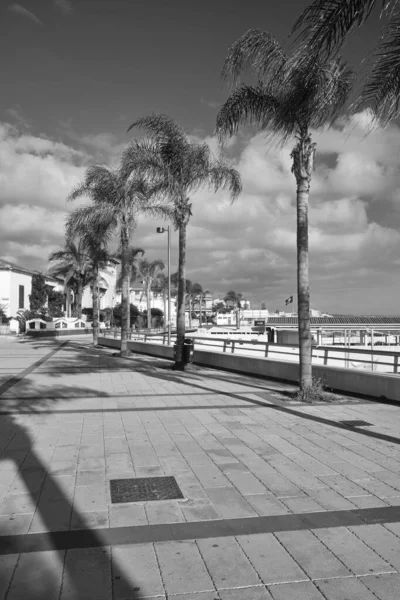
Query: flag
[{"x": 289, "y": 300}]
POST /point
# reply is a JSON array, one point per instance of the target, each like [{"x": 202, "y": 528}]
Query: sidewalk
[{"x": 280, "y": 500}]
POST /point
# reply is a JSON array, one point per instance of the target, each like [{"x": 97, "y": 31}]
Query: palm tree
[
  {"x": 119, "y": 196},
  {"x": 188, "y": 167},
  {"x": 200, "y": 295},
  {"x": 323, "y": 28},
  {"x": 149, "y": 272},
  {"x": 234, "y": 299},
  {"x": 290, "y": 99},
  {"x": 133, "y": 262},
  {"x": 72, "y": 265}
]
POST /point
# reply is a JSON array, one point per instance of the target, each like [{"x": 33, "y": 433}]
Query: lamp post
[{"x": 168, "y": 230}]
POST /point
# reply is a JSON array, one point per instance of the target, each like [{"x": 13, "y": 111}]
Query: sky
[{"x": 76, "y": 73}]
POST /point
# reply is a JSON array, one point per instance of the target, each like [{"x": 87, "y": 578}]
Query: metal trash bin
[{"x": 188, "y": 350}]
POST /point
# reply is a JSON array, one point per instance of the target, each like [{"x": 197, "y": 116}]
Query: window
[{"x": 21, "y": 296}]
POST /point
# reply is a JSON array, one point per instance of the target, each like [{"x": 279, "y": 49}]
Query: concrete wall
[
  {"x": 346, "y": 380},
  {"x": 5, "y": 286},
  {"x": 16, "y": 280}
]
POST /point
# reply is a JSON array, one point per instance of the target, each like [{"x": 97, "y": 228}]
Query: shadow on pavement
[{"x": 82, "y": 573}]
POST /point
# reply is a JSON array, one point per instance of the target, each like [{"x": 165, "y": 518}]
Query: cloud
[
  {"x": 210, "y": 103},
  {"x": 23, "y": 12},
  {"x": 248, "y": 245},
  {"x": 65, "y": 6}
]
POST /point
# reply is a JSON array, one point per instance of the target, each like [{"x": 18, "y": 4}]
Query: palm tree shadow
[{"x": 82, "y": 561}]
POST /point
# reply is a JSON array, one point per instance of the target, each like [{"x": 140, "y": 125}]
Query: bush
[
  {"x": 117, "y": 312},
  {"x": 314, "y": 392},
  {"x": 38, "y": 296}
]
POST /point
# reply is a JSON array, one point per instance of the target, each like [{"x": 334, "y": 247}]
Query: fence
[{"x": 368, "y": 359}]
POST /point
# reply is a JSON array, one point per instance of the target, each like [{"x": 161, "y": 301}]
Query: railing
[{"x": 353, "y": 358}]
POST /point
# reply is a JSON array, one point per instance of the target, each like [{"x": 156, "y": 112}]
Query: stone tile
[
  {"x": 369, "y": 501},
  {"x": 250, "y": 593},
  {"x": 125, "y": 515},
  {"x": 7, "y": 566},
  {"x": 199, "y": 509},
  {"x": 227, "y": 564},
  {"x": 15, "y": 524},
  {"x": 51, "y": 515},
  {"x": 165, "y": 511},
  {"x": 349, "y": 588},
  {"x": 89, "y": 520},
  {"x": 296, "y": 591},
  {"x": 135, "y": 572},
  {"x": 311, "y": 555},
  {"x": 229, "y": 503},
  {"x": 267, "y": 504},
  {"x": 18, "y": 503},
  {"x": 176, "y": 560},
  {"x": 270, "y": 559},
  {"x": 37, "y": 575},
  {"x": 385, "y": 587},
  {"x": 360, "y": 559},
  {"x": 246, "y": 483},
  {"x": 210, "y": 477},
  {"x": 302, "y": 504},
  {"x": 331, "y": 500},
  {"x": 87, "y": 574}
]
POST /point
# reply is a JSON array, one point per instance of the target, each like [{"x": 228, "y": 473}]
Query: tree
[
  {"x": 148, "y": 271},
  {"x": 291, "y": 98},
  {"x": 118, "y": 197},
  {"x": 232, "y": 299},
  {"x": 200, "y": 295},
  {"x": 323, "y": 28},
  {"x": 117, "y": 313},
  {"x": 38, "y": 295},
  {"x": 160, "y": 286},
  {"x": 132, "y": 258},
  {"x": 73, "y": 266},
  {"x": 188, "y": 166},
  {"x": 263, "y": 306},
  {"x": 55, "y": 302}
]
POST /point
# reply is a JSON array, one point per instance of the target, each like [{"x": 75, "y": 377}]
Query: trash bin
[{"x": 188, "y": 349}]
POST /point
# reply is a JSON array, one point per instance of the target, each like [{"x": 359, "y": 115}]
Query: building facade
[{"x": 16, "y": 287}]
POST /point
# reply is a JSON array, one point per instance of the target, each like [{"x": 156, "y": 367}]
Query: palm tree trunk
[
  {"x": 303, "y": 287},
  {"x": 148, "y": 305},
  {"x": 303, "y": 162},
  {"x": 165, "y": 306},
  {"x": 190, "y": 311},
  {"x": 180, "y": 315},
  {"x": 124, "y": 292},
  {"x": 78, "y": 300},
  {"x": 95, "y": 299},
  {"x": 200, "y": 308}
]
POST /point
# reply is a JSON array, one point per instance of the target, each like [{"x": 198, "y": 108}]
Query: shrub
[{"x": 314, "y": 392}]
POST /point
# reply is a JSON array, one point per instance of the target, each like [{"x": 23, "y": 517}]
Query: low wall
[
  {"x": 56, "y": 332},
  {"x": 345, "y": 380}
]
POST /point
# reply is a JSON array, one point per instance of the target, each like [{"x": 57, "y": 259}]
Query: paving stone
[
  {"x": 89, "y": 520},
  {"x": 250, "y": 593},
  {"x": 165, "y": 511},
  {"x": 360, "y": 559},
  {"x": 311, "y": 555},
  {"x": 369, "y": 501},
  {"x": 176, "y": 560},
  {"x": 37, "y": 575},
  {"x": 18, "y": 504},
  {"x": 267, "y": 504},
  {"x": 302, "y": 504},
  {"x": 87, "y": 574},
  {"x": 331, "y": 500},
  {"x": 246, "y": 483},
  {"x": 270, "y": 559},
  {"x": 126, "y": 515},
  {"x": 227, "y": 564},
  {"x": 199, "y": 509},
  {"x": 385, "y": 587},
  {"x": 15, "y": 524},
  {"x": 135, "y": 572},
  {"x": 296, "y": 591},
  {"x": 7, "y": 566},
  {"x": 229, "y": 503},
  {"x": 349, "y": 588}
]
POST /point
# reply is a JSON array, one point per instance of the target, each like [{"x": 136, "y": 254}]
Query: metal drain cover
[
  {"x": 356, "y": 423},
  {"x": 144, "y": 489}
]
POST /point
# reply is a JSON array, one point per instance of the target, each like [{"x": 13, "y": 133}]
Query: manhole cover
[
  {"x": 144, "y": 489},
  {"x": 356, "y": 423}
]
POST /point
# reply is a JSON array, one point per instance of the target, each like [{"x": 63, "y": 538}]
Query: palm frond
[
  {"x": 325, "y": 24},
  {"x": 251, "y": 105},
  {"x": 222, "y": 176},
  {"x": 256, "y": 49},
  {"x": 381, "y": 91},
  {"x": 92, "y": 220},
  {"x": 161, "y": 128}
]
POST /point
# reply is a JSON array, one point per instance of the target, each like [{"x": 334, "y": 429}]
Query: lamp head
[{"x": 160, "y": 229}]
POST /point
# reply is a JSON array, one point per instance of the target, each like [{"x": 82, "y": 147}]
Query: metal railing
[{"x": 353, "y": 358}]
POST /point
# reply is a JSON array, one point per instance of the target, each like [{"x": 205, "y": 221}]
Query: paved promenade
[{"x": 281, "y": 501}]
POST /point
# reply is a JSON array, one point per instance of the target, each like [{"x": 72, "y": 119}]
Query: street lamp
[{"x": 168, "y": 230}]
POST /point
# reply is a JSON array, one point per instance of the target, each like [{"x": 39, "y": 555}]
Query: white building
[
  {"x": 16, "y": 287},
  {"x": 107, "y": 293}
]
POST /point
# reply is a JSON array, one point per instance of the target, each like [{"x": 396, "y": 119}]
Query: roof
[
  {"x": 6, "y": 265},
  {"x": 347, "y": 320}
]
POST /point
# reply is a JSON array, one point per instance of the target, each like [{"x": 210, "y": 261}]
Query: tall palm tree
[
  {"x": 234, "y": 299},
  {"x": 148, "y": 271},
  {"x": 290, "y": 99},
  {"x": 190, "y": 293},
  {"x": 324, "y": 26},
  {"x": 72, "y": 265},
  {"x": 119, "y": 196},
  {"x": 160, "y": 286},
  {"x": 188, "y": 167},
  {"x": 132, "y": 258}
]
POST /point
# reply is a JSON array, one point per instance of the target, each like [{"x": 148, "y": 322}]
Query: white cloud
[
  {"x": 65, "y": 6},
  {"x": 249, "y": 245},
  {"x": 25, "y": 13}
]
